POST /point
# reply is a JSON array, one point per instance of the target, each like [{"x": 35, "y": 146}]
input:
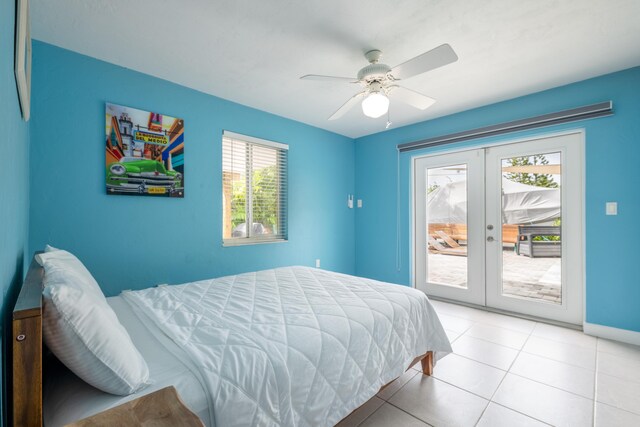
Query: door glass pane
[
  {"x": 531, "y": 224},
  {"x": 447, "y": 226}
]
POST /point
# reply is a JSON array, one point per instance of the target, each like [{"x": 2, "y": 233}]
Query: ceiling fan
[{"x": 378, "y": 81}]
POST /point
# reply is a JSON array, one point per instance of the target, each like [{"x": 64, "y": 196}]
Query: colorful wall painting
[{"x": 144, "y": 153}]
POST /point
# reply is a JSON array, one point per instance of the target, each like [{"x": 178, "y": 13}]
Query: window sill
[{"x": 245, "y": 242}]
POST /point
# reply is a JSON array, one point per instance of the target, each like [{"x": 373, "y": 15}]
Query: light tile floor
[{"x": 507, "y": 371}]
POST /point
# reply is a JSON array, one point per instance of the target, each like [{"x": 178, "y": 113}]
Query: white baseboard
[{"x": 616, "y": 334}]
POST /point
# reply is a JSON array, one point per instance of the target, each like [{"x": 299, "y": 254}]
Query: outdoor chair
[{"x": 439, "y": 248}]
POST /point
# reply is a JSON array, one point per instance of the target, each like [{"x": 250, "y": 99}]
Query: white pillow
[
  {"x": 82, "y": 330},
  {"x": 66, "y": 265},
  {"x": 47, "y": 248}
]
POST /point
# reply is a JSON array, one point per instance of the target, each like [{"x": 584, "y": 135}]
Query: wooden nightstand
[{"x": 158, "y": 409}]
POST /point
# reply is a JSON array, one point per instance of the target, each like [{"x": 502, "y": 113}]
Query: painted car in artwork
[
  {"x": 142, "y": 176},
  {"x": 144, "y": 153}
]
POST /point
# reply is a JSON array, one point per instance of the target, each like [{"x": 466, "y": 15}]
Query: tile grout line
[
  {"x": 416, "y": 372},
  {"x": 506, "y": 328},
  {"x": 616, "y": 354},
  {"x": 482, "y": 312},
  {"x": 490, "y": 399},
  {"x": 577, "y": 346},
  {"x": 387, "y": 401},
  {"x": 435, "y": 379},
  {"x": 460, "y": 388},
  {"x": 409, "y": 413},
  {"x": 620, "y": 409},
  {"x": 560, "y": 362},
  {"x": 506, "y": 373},
  {"x": 489, "y": 342},
  {"x": 556, "y": 360},
  {"x": 483, "y": 340},
  {"x": 371, "y": 414},
  {"x": 477, "y": 361},
  {"x": 560, "y": 341},
  {"x": 520, "y": 351},
  {"x": 493, "y": 342},
  {"x": 463, "y": 332},
  {"x": 551, "y": 386},
  {"x": 519, "y": 331},
  {"x": 595, "y": 385},
  {"x": 621, "y": 378},
  {"x": 523, "y": 351},
  {"x": 522, "y": 413},
  {"x": 536, "y": 381}
]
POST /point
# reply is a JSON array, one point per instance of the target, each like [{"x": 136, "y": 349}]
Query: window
[{"x": 254, "y": 188}]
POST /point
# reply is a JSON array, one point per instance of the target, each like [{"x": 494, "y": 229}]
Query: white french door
[
  {"x": 454, "y": 184},
  {"x": 502, "y": 227}
]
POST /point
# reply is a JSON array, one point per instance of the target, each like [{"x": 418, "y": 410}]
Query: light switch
[
  {"x": 359, "y": 203},
  {"x": 612, "y": 208}
]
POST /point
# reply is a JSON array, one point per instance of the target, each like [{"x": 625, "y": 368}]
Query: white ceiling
[{"x": 253, "y": 52}]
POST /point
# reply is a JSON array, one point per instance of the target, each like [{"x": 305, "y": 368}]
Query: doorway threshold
[{"x": 509, "y": 313}]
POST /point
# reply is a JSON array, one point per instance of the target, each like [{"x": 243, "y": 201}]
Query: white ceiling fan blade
[
  {"x": 347, "y": 106},
  {"x": 328, "y": 78},
  {"x": 435, "y": 58},
  {"x": 413, "y": 98}
]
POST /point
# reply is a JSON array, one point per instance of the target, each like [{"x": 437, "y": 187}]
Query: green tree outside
[
  {"x": 536, "y": 179},
  {"x": 265, "y": 185}
]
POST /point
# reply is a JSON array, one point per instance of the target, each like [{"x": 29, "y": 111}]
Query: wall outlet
[
  {"x": 612, "y": 208},
  {"x": 359, "y": 203},
  {"x": 317, "y": 263}
]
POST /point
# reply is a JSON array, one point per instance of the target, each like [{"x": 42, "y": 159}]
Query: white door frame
[
  {"x": 571, "y": 308},
  {"x": 412, "y": 192},
  {"x": 474, "y": 160}
]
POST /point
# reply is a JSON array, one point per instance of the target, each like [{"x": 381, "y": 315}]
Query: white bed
[
  {"x": 289, "y": 346},
  {"x": 67, "y": 398}
]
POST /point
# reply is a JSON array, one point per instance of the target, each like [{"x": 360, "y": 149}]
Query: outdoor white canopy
[{"x": 521, "y": 203}]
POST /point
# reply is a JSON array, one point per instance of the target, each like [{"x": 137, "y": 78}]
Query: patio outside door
[{"x": 502, "y": 227}]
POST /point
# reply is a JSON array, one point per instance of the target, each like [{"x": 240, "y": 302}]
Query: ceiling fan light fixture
[
  {"x": 375, "y": 105},
  {"x": 379, "y": 81}
]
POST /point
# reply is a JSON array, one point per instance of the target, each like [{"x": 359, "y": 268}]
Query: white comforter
[{"x": 293, "y": 346}]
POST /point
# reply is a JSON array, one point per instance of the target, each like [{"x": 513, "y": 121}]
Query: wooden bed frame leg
[{"x": 427, "y": 363}]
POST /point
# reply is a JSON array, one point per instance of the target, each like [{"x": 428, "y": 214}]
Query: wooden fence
[{"x": 459, "y": 231}]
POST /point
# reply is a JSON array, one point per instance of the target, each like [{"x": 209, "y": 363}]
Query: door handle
[{"x": 490, "y": 239}]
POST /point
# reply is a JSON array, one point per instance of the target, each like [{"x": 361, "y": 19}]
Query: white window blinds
[{"x": 254, "y": 188}]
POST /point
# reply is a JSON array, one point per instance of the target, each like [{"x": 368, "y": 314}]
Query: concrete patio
[{"x": 524, "y": 277}]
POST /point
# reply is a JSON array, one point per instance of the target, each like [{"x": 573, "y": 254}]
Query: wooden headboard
[{"x": 27, "y": 351}]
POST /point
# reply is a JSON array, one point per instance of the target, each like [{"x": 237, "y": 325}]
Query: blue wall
[
  {"x": 612, "y": 159},
  {"x": 125, "y": 240},
  {"x": 14, "y": 176},
  {"x": 134, "y": 242}
]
